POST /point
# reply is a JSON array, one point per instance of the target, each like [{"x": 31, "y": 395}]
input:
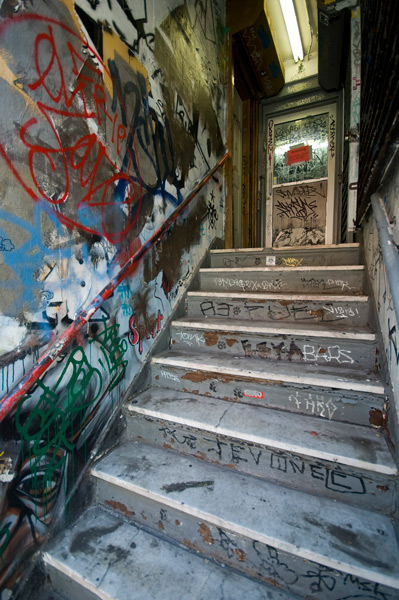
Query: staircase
[{"x": 257, "y": 464}]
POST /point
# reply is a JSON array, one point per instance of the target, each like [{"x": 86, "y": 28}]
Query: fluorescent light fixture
[{"x": 291, "y": 23}]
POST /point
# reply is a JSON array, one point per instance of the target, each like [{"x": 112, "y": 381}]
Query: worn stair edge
[
  {"x": 73, "y": 578},
  {"x": 155, "y": 569},
  {"x": 305, "y": 435},
  {"x": 151, "y": 473},
  {"x": 362, "y": 408},
  {"x": 274, "y": 268},
  {"x": 290, "y": 256},
  {"x": 279, "y": 308},
  {"x": 280, "y": 373},
  {"x": 312, "y": 248},
  {"x": 274, "y": 297},
  {"x": 49, "y": 594},
  {"x": 357, "y": 487},
  {"x": 322, "y": 330}
]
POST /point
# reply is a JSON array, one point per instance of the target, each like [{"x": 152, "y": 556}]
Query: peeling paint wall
[
  {"x": 111, "y": 113},
  {"x": 380, "y": 285}
]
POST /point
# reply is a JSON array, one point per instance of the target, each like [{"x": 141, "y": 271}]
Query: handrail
[
  {"x": 12, "y": 399},
  {"x": 388, "y": 248}
]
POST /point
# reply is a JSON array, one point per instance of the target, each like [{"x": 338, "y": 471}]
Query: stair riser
[
  {"x": 285, "y": 258},
  {"x": 353, "y": 407},
  {"x": 66, "y": 586},
  {"x": 322, "y": 478},
  {"x": 275, "y": 311},
  {"x": 247, "y": 555},
  {"x": 292, "y": 348},
  {"x": 291, "y": 281}
]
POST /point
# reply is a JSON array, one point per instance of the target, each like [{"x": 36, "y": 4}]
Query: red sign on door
[{"x": 297, "y": 155}]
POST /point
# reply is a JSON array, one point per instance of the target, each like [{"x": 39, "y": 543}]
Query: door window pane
[{"x": 301, "y": 149}]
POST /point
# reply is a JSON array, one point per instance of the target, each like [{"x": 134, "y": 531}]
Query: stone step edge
[
  {"x": 261, "y": 328},
  {"x": 275, "y": 268},
  {"x": 185, "y": 553},
  {"x": 243, "y": 531},
  {"x": 351, "y": 385},
  {"x": 313, "y": 248},
  {"x": 74, "y": 575},
  {"x": 278, "y": 297},
  {"x": 292, "y": 447}
]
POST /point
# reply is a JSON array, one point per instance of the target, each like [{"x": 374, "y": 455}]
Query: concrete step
[
  {"x": 49, "y": 594},
  {"x": 287, "y": 308},
  {"x": 320, "y": 344},
  {"x": 354, "y": 396},
  {"x": 104, "y": 557},
  {"x": 312, "y": 546},
  {"x": 341, "y": 254},
  {"x": 339, "y": 460},
  {"x": 340, "y": 280}
]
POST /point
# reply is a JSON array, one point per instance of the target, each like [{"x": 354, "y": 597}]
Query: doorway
[{"x": 301, "y": 177}]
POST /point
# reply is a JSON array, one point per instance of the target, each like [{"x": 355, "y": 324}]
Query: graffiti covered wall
[
  {"x": 111, "y": 113},
  {"x": 380, "y": 284}
]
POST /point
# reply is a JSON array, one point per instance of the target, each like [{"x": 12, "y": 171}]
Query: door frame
[
  {"x": 302, "y": 113},
  {"x": 296, "y": 97}
]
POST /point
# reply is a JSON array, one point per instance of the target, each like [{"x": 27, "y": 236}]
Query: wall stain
[
  {"x": 120, "y": 507},
  {"x": 82, "y": 541},
  {"x": 211, "y": 338},
  {"x": 181, "y": 486},
  {"x": 196, "y": 376},
  {"x": 206, "y": 534},
  {"x": 240, "y": 554},
  {"x": 377, "y": 417}
]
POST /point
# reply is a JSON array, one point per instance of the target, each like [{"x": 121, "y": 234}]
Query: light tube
[{"x": 291, "y": 23}]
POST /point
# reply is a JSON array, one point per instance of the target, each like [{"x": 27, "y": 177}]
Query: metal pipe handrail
[
  {"x": 12, "y": 399},
  {"x": 389, "y": 249}
]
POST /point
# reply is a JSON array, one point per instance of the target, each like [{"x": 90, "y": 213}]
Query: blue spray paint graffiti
[{"x": 29, "y": 257}]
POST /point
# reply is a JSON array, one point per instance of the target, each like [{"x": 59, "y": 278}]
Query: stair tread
[
  {"x": 337, "y": 377},
  {"x": 287, "y": 249},
  {"x": 114, "y": 559},
  {"x": 352, "y": 445},
  {"x": 278, "y": 297},
  {"x": 274, "y": 268},
  {"x": 318, "y": 529},
  {"x": 327, "y": 330}
]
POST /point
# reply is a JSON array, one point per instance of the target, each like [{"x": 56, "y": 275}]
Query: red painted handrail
[{"x": 12, "y": 399}]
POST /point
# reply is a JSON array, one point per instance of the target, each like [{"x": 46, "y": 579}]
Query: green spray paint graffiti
[
  {"x": 58, "y": 424},
  {"x": 113, "y": 350},
  {"x": 50, "y": 428}
]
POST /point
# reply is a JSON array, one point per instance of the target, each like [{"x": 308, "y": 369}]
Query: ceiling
[{"x": 252, "y": 63}]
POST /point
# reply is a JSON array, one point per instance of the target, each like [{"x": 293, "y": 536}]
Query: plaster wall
[{"x": 111, "y": 112}]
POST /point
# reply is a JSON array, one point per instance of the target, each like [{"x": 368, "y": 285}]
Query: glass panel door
[{"x": 300, "y": 181}]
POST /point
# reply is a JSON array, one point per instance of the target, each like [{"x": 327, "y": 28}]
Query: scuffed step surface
[
  {"x": 337, "y": 254},
  {"x": 352, "y": 540},
  {"x": 49, "y": 594},
  {"x": 114, "y": 560},
  {"x": 308, "y": 373},
  {"x": 261, "y": 341},
  {"x": 325, "y": 330},
  {"x": 280, "y": 279},
  {"x": 229, "y": 380},
  {"x": 347, "y": 444},
  {"x": 280, "y": 308}
]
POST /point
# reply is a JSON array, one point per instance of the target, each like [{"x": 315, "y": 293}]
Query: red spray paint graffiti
[
  {"x": 140, "y": 332},
  {"x": 87, "y": 185}
]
